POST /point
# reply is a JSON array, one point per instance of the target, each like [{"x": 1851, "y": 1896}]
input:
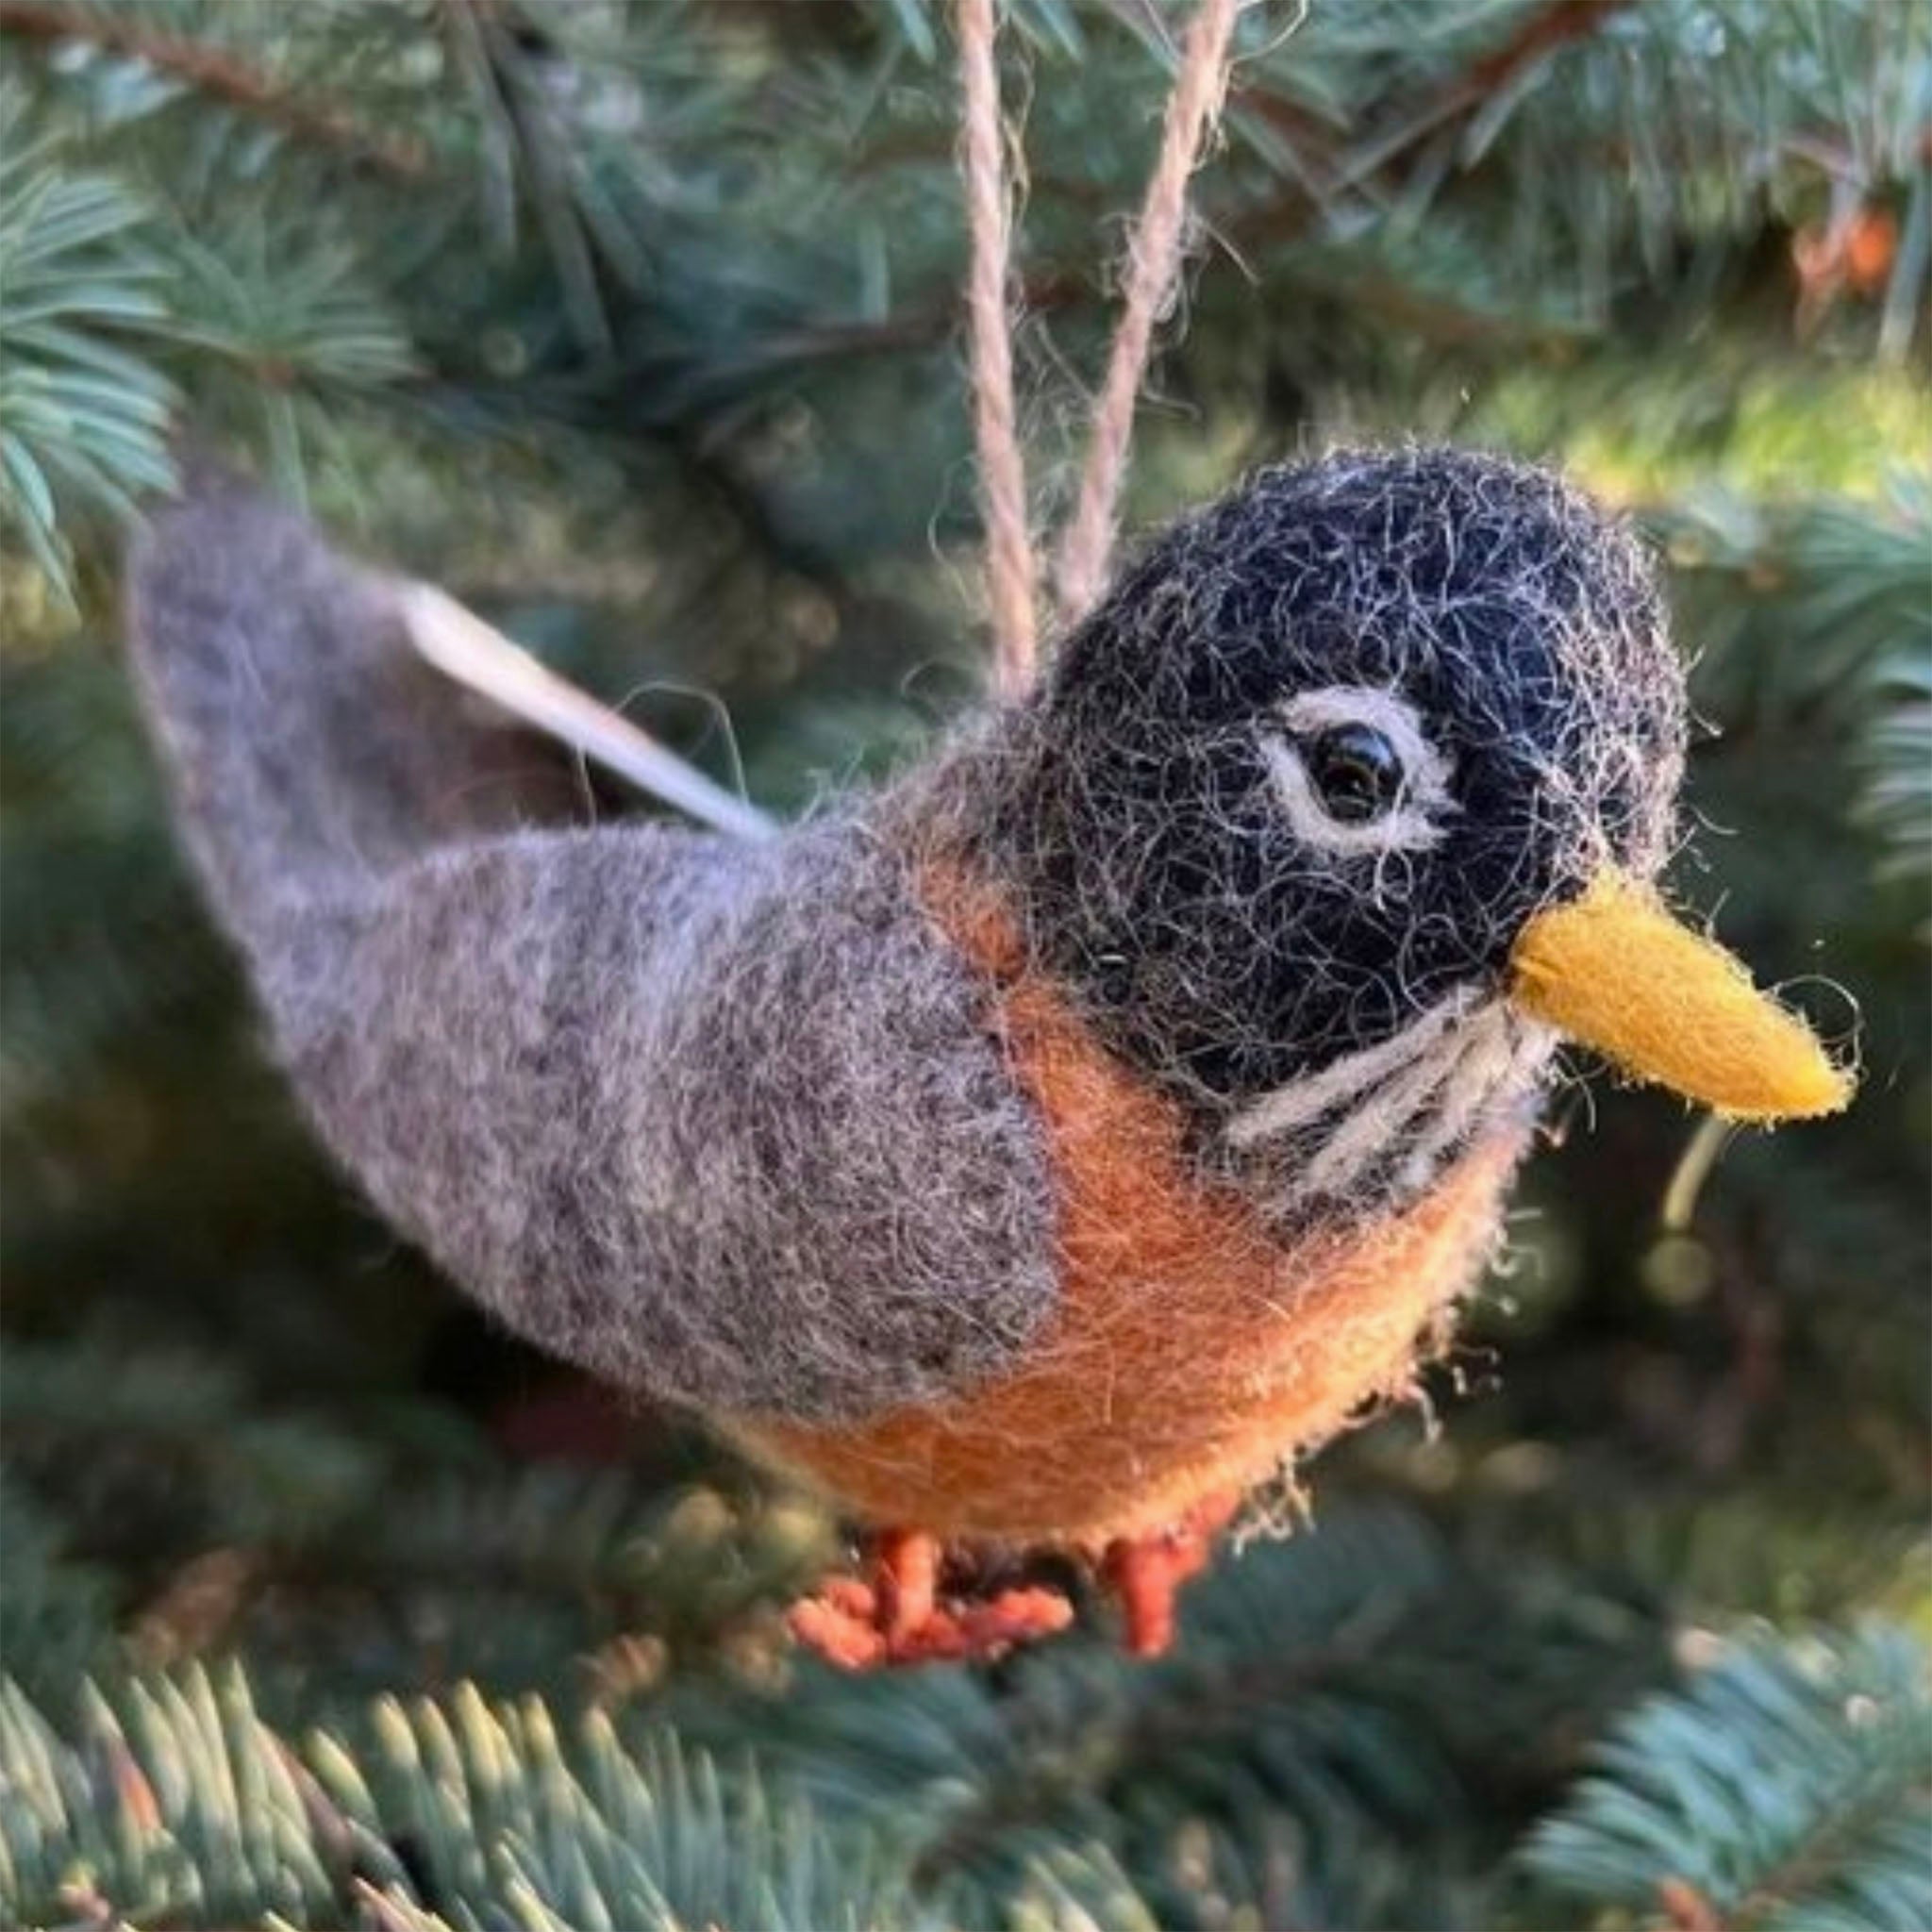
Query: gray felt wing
[{"x": 718, "y": 1119}]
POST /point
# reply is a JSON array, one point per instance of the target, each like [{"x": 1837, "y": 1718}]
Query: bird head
[{"x": 1350, "y": 799}]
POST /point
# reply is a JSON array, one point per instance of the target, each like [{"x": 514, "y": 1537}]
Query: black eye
[{"x": 1355, "y": 771}]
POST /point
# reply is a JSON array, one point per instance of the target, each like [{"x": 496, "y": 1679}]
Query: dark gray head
[{"x": 1328, "y": 746}]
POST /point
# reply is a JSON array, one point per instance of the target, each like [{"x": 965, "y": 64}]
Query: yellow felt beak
[{"x": 1615, "y": 971}]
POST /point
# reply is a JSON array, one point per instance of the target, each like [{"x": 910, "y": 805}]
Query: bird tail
[{"x": 312, "y": 751}]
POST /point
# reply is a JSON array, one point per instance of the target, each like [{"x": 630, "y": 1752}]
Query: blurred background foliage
[{"x": 637, "y": 325}]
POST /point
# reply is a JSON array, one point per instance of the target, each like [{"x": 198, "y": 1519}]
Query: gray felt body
[
  {"x": 729, "y": 1121},
  {"x": 722, "y": 1122}
]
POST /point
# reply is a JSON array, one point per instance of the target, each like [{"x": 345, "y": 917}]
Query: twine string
[
  {"x": 1012, "y": 572},
  {"x": 1154, "y": 262},
  {"x": 1155, "y": 251}
]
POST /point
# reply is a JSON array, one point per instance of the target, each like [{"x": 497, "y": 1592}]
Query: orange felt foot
[
  {"x": 909, "y": 1580},
  {"x": 899, "y": 1618},
  {"x": 1147, "y": 1572}
]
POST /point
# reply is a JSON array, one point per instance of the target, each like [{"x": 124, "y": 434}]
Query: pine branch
[
  {"x": 1815, "y": 623},
  {"x": 83, "y": 413},
  {"x": 55, "y": 1614},
  {"x": 265, "y": 1530},
  {"x": 1790, "y": 1787},
  {"x": 1539, "y": 33},
  {"x": 171, "y": 1799},
  {"x": 1359, "y": 1691},
  {"x": 1049, "y": 290},
  {"x": 220, "y": 75},
  {"x": 1898, "y": 790}
]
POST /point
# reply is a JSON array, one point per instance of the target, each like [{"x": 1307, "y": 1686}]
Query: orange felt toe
[
  {"x": 959, "y": 1633},
  {"x": 1147, "y": 1573},
  {"x": 901, "y": 1619},
  {"x": 844, "y": 1639}
]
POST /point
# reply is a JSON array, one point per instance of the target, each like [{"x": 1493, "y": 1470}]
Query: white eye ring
[{"x": 1413, "y": 825}]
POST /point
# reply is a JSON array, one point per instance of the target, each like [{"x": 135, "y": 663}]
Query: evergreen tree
[{"x": 636, "y": 323}]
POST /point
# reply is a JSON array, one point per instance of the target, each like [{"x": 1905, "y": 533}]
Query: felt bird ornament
[{"x": 1049, "y": 1149}]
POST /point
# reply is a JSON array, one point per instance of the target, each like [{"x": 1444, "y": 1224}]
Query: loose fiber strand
[
  {"x": 1153, "y": 267},
  {"x": 1011, "y": 568}
]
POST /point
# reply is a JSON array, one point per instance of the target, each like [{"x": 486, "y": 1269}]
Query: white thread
[
  {"x": 475, "y": 655},
  {"x": 1307, "y": 1099},
  {"x": 1375, "y": 1123},
  {"x": 1501, "y": 1052}
]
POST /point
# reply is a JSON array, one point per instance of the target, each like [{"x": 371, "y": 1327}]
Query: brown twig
[
  {"x": 1407, "y": 127},
  {"x": 221, "y": 77},
  {"x": 1551, "y": 27}
]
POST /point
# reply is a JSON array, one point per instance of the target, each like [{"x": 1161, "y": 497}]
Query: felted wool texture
[
  {"x": 723, "y": 1122},
  {"x": 1194, "y": 1351},
  {"x": 744, "y": 1125},
  {"x": 1160, "y": 880},
  {"x": 1615, "y": 969},
  {"x": 314, "y": 750},
  {"x": 1365, "y": 1131}
]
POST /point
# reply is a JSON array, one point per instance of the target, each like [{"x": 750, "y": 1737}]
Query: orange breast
[{"x": 1191, "y": 1353}]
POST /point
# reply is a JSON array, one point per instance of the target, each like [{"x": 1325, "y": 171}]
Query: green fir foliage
[
  {"x": 1790, "y": 1787},
  {"x": 636, "y": 323}
]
